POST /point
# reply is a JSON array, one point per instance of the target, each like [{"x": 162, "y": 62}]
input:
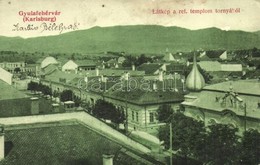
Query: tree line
[
  {"x": 214, "y": 144},
  {"x": 65, "y": 95}
]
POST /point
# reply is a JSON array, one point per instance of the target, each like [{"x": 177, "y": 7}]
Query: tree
[
  {"x": 164, "y": 112},
  {"x": 143, "y": 59},
  {"x": 221, "y": 144},
  {"x": 77, "y": 100},
  {"x": 103, "y": 109},
  {"x": 106, "y": 110},
  {"x": 250, "y": 147},
  {"x": 117, "y": 116},
  {"x": 17, "y": 70},
  {"x": 46, "y": 90},
  {"x": 66, "y": 95},
  {"x": 33, "y": 86},
  {"x": 129, "y": 61},
  {"x": 56, "y": 93},
  {"x": 188, "y": 134}
]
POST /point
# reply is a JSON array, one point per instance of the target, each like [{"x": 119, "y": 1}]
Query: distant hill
[{"x": 134, "y": 39}]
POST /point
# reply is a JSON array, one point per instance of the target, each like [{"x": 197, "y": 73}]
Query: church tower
[{"x": 195, "y": 80}]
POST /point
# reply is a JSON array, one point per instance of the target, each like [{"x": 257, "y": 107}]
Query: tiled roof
[
  {"x": 210, "y": 65},
  {"x": 111, "y": 61},
  {"x": 71, "y": 144},
  {"x": 241, "y": 86},
  {"x": 140, "y": 91},
  {"x": 85, "y": 63},
  {"x": 57, "y": 75},
  {"x": 50, "y": 68},
  {"x": 175, "y": 67},
  {"x": 112, "y": 72},
  {"x": 142, "y": 97},
  {"x": 207, "y": 100},
  {"x": 149, "y": 68}
]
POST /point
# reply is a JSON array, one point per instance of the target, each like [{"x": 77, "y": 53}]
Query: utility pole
[
  {"x": 170, "y": 143},
  {"x": 245, "y": 117}
]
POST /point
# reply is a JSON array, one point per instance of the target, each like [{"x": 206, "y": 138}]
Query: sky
[{"x": 90, "y": 13}]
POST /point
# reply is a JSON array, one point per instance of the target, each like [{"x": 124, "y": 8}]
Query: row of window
[
  {"x": 12, "y": 65},
  {"x": 135, "y": 116}
]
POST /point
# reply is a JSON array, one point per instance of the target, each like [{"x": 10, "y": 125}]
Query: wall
[
  {"x": 15, "y": 107},
  {"x": 6, "y": 76},
  {"x": 224, "y": 117}
]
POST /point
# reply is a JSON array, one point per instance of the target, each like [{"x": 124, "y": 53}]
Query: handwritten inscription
[
  {"x": 46, "y": 27},
  {"x": 43, "y": 21}
]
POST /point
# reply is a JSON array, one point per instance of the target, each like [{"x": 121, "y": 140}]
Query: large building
[
  {"x": 140, "y": 99},
  {"x": 139, "y": 96},
  {"x": 232, "y": 102}
]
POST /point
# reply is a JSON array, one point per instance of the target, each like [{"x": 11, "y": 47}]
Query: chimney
[
  {"x": 97, "y": 72},
  {"x": 161, "y": 75},
  {"x": 34, "y": 105},
  {"x": 2, "y": 143},
  {"x": 127, "y": 76},
  {"x": 102, "y": 78},
  {"x": 86, "y": 79},
  {"x": 154, "y": 86},
  {"x": 107, "y": 159},
  {"x": 133, "y": 67}
]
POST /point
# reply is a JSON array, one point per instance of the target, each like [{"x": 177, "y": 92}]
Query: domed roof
[
  {"x": 47, "y": 61},
  {"x": 195, "y": 80}
]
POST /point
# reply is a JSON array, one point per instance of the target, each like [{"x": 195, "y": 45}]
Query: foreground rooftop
[{"x": 61, "y": 144}]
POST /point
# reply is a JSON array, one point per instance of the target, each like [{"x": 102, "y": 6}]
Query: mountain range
[{"x": 134, "y": 39}]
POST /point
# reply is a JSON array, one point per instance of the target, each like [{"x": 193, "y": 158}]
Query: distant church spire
[{"x": 195, "y": 81}]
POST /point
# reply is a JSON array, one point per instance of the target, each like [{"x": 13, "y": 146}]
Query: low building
[
  {"x": 215, "y": 66},
  {"x": 233, "y": 102},
  {"x": 77, "y": 66},
  {"x": 47, "y": 61},
  {"x": 13, "y": 66},
  {"x": 151, "y": 68}
]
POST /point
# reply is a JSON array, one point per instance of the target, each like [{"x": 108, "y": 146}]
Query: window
[
  {"x": 133, "y": 115},
  {"x": 136, "y": 114},
  {"x": 151, "y": 117}
]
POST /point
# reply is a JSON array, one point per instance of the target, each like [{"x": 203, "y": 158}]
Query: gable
[{"x": 70, "y": 65}]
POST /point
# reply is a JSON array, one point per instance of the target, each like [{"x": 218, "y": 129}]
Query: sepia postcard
[{"x": 130, "y": 82}]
